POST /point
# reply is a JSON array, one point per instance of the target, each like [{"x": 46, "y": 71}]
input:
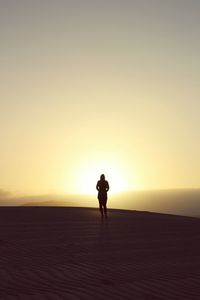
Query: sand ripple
[{"x": 69, "y": 253}]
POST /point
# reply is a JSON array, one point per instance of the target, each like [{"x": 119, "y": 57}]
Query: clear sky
[{"x": 91, "y": 87}]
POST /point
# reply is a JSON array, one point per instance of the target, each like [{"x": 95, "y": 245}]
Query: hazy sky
[{"x": 91, "y": 87}]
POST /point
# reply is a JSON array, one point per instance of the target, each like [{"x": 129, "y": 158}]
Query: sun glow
[{"x": 88, "y": 175}]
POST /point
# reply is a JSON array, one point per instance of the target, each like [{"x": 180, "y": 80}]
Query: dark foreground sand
[{"x": 69, "y": 253}]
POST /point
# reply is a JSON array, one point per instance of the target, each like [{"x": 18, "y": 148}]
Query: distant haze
[
  {"x": 91, "y": 87},
  {"x": 178, "y": 202}
]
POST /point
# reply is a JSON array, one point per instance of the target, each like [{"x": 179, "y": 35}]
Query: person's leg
[
  {"x": 105, "y": 210},
  {"x": 105, "y": 207},
  {"x": 101, "y": 208}
]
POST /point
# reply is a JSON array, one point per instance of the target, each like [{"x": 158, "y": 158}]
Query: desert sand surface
[{"x": 71, "y": 253}]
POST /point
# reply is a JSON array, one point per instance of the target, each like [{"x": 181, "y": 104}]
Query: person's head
[{"x": 102, "y": 177}]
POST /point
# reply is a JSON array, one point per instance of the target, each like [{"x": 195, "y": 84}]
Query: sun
[{"x": 88, "y": 175}]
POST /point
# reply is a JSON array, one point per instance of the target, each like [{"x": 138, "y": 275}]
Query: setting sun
[{"x": 88, "y": 175}]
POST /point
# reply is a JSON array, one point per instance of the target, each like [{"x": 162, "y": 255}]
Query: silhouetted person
[{"x": 102, "y": 188}]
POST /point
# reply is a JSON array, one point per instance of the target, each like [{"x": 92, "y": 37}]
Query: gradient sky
[{"x": 93, "y": 86}]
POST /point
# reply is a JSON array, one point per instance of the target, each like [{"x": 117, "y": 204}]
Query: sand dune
[{"x": 69, "y": 253}]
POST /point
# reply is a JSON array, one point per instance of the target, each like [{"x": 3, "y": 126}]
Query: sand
[{"x": 70, "y": 253}]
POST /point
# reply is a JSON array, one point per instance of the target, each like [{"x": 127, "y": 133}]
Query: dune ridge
[{"x": 70, "y": 253}]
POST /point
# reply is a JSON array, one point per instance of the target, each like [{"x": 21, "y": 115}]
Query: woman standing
[{"x": 102, "y": 188}]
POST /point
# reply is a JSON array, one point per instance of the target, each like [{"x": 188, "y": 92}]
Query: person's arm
[
  {"x": 97, "y": 186},
  {"x": 107, "y": 188}
]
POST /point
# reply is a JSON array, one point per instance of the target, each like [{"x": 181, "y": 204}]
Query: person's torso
[{"x": 103, "y": 185}]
